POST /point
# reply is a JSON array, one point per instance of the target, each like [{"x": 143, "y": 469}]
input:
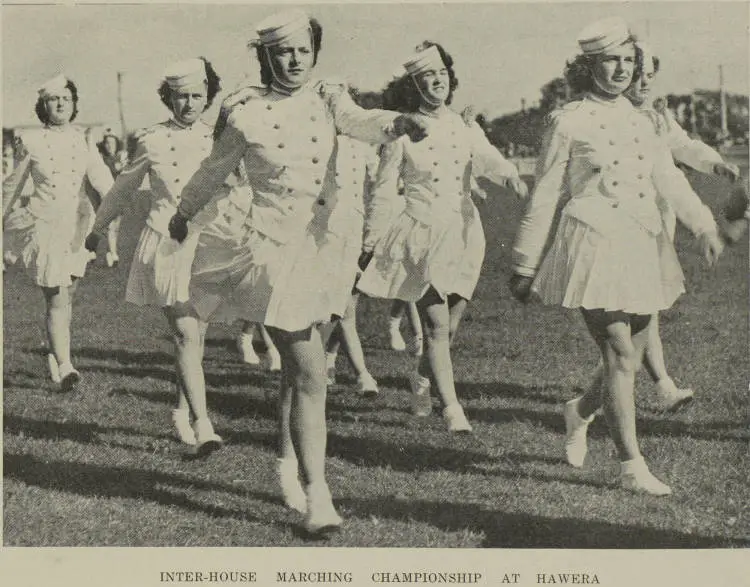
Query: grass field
[{"x": 101, "y": 467}]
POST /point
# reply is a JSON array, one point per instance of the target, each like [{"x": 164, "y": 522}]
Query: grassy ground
[{"x": 101, "y": 467}]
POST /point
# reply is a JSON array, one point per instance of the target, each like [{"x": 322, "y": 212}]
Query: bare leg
[
  {"x": 669, "y": 396},
  {"x": 303, "y": 361},
  {"x": 272, "y": 353},
  {"x": 245, "y": 343},
  {"x": 189, "y": 334},
  {"x": 58, "y": 302},
  {"x": 436, "y": 318},
  {"x": 622, "y": 339},
  {"x": 397, "y": 342},
  {"x": 287, "y": 467},
  {"x": 348, "y": 328},
  {"x": 113, "y": 233}
]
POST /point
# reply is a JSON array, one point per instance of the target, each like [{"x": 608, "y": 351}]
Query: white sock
[
  {"x": 394, "y": 323},
  {"x": 633, "y": 465}
]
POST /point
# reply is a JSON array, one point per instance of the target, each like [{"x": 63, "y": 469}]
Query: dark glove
[
  {"x": 92, "y": 242},
  {"x": 737, "y": 204},
  {"x": 178, "y": 227},
  {"x": 520, "y": 287},
  {"x": 364, "y": 260}
]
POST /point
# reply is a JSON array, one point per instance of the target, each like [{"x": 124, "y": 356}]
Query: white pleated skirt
[
  {"x": 160, "y": 271},
  {"x": 241, "y": 274},
  {"x": 52, "y": 253},
  {"x": 629, "y": 270},
  {"x": 414, "y": 256}
]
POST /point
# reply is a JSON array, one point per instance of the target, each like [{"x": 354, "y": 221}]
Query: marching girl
[
  {"x": 115, "y": 158},
  {"x": 280, "y": 266},
  {"x": 690, "y": 152},
  {"x": 432, "y": 252},
  {"x": 611, "y": 255},
  {"x": 47, "y": 234},
  {"x": 354, "y": 168},
  {"x": 169, "y": 153}
]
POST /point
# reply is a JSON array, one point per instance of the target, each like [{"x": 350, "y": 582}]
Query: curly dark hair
[
  {"x": 638, "y": 71},
  {"x": 579, "y": 72},
  {"x": 41, "y": 105},
  {"x": 213, "y": 82},
  {"x": 266, "y": 73},
  {"x": 118, "y": 143},
  {"x": 402, "y": 94}
]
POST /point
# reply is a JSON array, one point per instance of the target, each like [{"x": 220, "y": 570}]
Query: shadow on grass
[
  {"x": 414, "y": 458},
  {"x": 124, "y": 356},
  {"x": 470, "y": 391},
  {"x": 49, "y": 429},
  {"x": 658, "y": 427},
  {"x": 233, "y": 405},
  {"x": 91, "y": 480},
  {"x": 517, "y": 530}
]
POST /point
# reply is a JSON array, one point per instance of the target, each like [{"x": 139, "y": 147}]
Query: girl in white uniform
[
  {"x": 432, "y": 253},
  {"x": 47, "y": 235},
  {"x": 169, "y": 153},
  {"x": 355, "y": 165},
  {"x": 611, "y": 256},
  {"x": 279, "y": 265}
]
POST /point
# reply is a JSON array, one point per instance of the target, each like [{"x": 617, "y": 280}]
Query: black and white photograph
[{"x": 404, "y": 277}]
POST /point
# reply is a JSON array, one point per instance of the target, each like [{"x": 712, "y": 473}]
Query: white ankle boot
[
  {"x": 294, "y": 496},
  {"x": 322, "y": 517},
  {"x": 576, "y": 444},
  {"x": 206, "y": 440},
  {"x": 635, "y": 476},
  {"x": 421, "y": 400},
  {"x": 670, "y": 397},
  {"x": 181, "y": 421},
  {"x": 456, "y": 419}
]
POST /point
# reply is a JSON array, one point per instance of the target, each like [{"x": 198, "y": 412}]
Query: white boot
[
  {"x": 294, "y": 496},
  {"x": 366, "y": 385},
  {"x": 273, "y": 360},
  {"x": 245, "y": 346},
  {"x": 54, "y": 368},
  {"x": 421, "y": 400},
  {"x": 456, "y": 419},
  {"x": 181, "y": 421},
  {"x": 635, "y": 476},
  {"x": 322, "y": 517},
  {"x": 394, "y": 333},
  {"x": 206, "y": 440},
  {"x": 576, "y": 428},
  {"x": 69, "y": 377},
  {"x": 670, "y": 397}
]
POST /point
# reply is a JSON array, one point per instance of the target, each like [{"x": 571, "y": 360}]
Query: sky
[{"x": 503, "y": 52}]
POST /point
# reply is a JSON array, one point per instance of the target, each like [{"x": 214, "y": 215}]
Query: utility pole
[
  {"x": 123, "y": 128},
  {"x": 723, "y": 104}
]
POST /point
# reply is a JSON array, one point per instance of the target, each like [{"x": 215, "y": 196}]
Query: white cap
[
  {"x": 426, "y": 59},
  {"x": 186, "y": 73},
  {"x": 53, "y": 86},
  {"x": 602, "y": 35},
  {"x": 277, "y": 28}
]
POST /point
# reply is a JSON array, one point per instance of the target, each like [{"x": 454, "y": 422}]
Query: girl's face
[
  {"x": 292, "y": 60},
  {"x": 640, "y": 91},
  {"x": 59, "y": 107},
  {"x": 188, "y": 103},
  {"x": 613, "y": 70},
  {"x": 434, "y": 86}
]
